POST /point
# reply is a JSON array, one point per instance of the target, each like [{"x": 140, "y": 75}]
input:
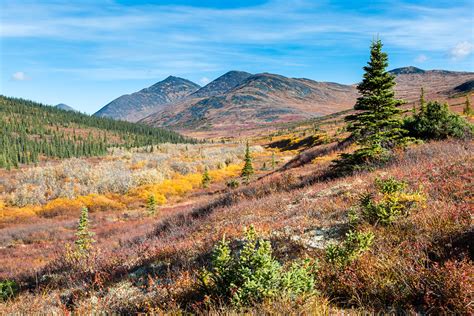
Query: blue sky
[{"x": 86, "y": 53}]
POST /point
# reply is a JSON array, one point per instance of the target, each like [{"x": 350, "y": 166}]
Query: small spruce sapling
[
  {"x": 247, "y": 170},
  {"x": 467, "y": 107},
  {"x": 151, "y": 204},
  {"x": 84, "y": 238},
  {"x": 206, "y": 178}
]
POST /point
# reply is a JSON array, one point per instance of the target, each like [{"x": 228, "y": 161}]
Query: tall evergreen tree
[
  {"x": 377, "y": 122},
  {"x": 376, "y": 126},
  {"x": 247, "y": 170}
]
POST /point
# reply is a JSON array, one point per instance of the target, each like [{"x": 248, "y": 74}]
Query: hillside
[
  {"x": 260, "y": 99},
  {"x": 264, "y": 99},
  {"x": 31, "y": 131},
  {"x": 135, "y": 106},
  {"x": 144, "y": 261},
  {"x": 438, "y": 84}
]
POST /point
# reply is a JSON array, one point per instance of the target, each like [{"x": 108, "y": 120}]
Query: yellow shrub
[
  {"x": 231, "y": 170},
  {"x": 61, "y": 206},
  {"x": 99, "y": 203},
  {"x": 179, "y": 185},
  {"x": 138, "y": 165},
  {"x": 94, "y": 202},
  {"x": 8, "y": 214}
]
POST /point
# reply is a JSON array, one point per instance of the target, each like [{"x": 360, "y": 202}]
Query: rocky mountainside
[
  {"x": 135, "y": 106},
  {"x": 65, "y": 107},
  {"x": 259, "y": 99}
]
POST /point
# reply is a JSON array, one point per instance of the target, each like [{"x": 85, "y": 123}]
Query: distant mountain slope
[
  {"x": 64, "y": 107},
  {"x": 135, "y": 106},
  {"x": 259, "y": 99},
  {"x": 222, "y": 84},
  {"x": 438, "y": 84}
]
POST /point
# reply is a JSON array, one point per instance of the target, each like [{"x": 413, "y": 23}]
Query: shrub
[
  {"x": 436, "y": 121},
  {"x": 389, "y": 203},
  {"x": 361, "y": 159},
  {"x": 8, "y": 289},
  {"x": 352, "y": 247},
  {"x": 253, "y": 275},
  {"x": 233, "y": 184}
]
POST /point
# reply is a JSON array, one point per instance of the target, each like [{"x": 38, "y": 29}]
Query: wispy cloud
[
  {"x": 461, "y": 50},
  {"x": 421, "y": 58},
  {"x": 20, "y": 76}
]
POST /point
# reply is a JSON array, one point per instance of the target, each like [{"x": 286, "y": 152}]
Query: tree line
[{"x": 29, "y": 130}]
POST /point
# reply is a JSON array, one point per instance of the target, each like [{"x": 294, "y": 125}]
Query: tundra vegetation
[{"x": 325, "y": 232}]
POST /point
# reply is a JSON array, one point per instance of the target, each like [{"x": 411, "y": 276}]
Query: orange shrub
[
  {"x": 94, "y": 202},
  {"x": 179, "y": 185},
  {"x": 8, "y": 214}
]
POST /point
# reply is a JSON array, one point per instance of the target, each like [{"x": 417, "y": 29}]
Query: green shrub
[
  {"x": 390, "y": 202},
  {"x": 8, "y": 289},
  {"x": 253, "y": 275},
  {"x": 436, "y": 121},
  {"x": 362, "y": 159},
  {"x": 233, "y": 184},
  {"x": 351, "y": 248}
]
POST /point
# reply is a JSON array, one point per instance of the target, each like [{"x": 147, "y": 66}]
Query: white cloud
[
  {"x": 461, "y": 50},
  {"x": 204, "y": 81},
  {"x": 421, "y": 58},
  {"x": 20, "y": 76}
]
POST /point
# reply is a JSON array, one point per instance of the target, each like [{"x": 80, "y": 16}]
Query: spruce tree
[
  {"x": 467, "y": 107},
  {"x": 206, "y": 178},
  {"x": 376, "y": 126},
  {"x": 422, "y": 100},
  {"x": 273, "y": 161},
  {"x": 84, "y": 239},
  {"x": 247, "y": 170},
  {"x": 151, "y": 204}
]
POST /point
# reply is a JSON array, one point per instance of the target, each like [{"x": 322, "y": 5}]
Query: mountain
[
  {"x": 135, "y": 106},
  {"x": 259, "y": 99},
  {"x": 437, "y": 84},
  {"x": 222, "y": 84},
  {"x": 265, "y": 98},
  {"x": 407, "y": 70},
  {"x": 64, "y": 107}
]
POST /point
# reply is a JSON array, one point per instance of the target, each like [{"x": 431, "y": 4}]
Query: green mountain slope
[{"x": 31, "y": 130}]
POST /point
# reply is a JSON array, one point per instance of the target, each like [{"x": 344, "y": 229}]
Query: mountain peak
[
  {"x": 407, "y": 70},
  {"x": 223, "y": 84},
  {"x": 138, "y": 105},
  {"x": 64, "y": 107}
]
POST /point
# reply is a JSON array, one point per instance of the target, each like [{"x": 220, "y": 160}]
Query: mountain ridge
[{"x": 137, "y": 105}]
